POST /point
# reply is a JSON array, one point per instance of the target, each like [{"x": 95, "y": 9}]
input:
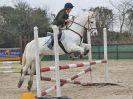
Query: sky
[{"x": 55, "y": 5}]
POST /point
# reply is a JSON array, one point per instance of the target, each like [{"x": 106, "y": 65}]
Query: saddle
[
  {"x": 51, "y": 34},
  {"x": 50, "y": 45}
]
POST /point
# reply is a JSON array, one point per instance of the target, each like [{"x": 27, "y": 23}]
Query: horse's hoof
[
  {"x": 86, "y": 52},
  {"x": 29, "y": 86},
  {"x": 20, "y": 83},
  {"x": 81, "y": 56}
]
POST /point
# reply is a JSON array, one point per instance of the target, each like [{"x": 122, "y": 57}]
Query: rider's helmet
[{"x": 68, "y": 5}]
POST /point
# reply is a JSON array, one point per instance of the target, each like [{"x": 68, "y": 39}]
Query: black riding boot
[{"x": 50, "y": 45}]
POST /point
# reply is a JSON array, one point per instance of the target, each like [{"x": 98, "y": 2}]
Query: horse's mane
[{"x": 80, "y": 14}]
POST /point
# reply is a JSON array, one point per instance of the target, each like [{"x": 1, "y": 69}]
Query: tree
[
  {"x": 20, "y": 21},
  {"x": 122, "y": 9},
  {"x": 6, "y": 37},
  {"x": 104, "y": 18},
  {"x": 130, "y": 16}
]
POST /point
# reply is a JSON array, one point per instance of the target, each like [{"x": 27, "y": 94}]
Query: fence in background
[{"x": 115, "y": 51}]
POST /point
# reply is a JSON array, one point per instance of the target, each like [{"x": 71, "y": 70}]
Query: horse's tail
[
  {"x": 24, "y": 58},
  {"x": 23, "y": 61}
]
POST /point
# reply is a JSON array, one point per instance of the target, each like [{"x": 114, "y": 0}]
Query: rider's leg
[
  {"x": 59, "y": 36},
  {"x": 50, "y": 45}
]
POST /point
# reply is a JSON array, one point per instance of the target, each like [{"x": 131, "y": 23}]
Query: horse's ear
[
  {"x": 94, "y": 13},
  {"x": 84, "y": 10}
]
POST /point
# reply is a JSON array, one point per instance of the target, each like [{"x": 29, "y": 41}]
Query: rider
[{"x": 61, "y": 20}]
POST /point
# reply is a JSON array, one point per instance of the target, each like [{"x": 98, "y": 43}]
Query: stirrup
[{"x": 50, "y": 46}]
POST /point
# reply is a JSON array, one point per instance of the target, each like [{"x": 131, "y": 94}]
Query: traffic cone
[{"x": 27, "y": 95}]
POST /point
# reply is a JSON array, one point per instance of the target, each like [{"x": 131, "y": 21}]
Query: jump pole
[
  {"x": 57, "y": 69},
  {"x": 89, "y": 42},
  {"x": 38, "y": 79},
  {"x": 29, "y": 95},
  {"x": 105, "y": 53},
  {"x": 56, "y": 51},
  {"x": 90, "y": 52},
  {"x": 68, "y": 66},
  {"x": 10, "y": 62},
  {"x": 70, "y": 79}
]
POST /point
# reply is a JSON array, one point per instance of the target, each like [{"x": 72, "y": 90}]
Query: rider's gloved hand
[{"x": 68, "y": 20}]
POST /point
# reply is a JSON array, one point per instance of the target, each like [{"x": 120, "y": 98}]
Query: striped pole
[
  {"x": 68, "y": 66},
  {"x": 70, "y": 79},
  {"x": 9, "y": 71},
  {"x": 10, "y": 62},
  {"x": 65, "y": 81},
  {"x": 10, "y": 67}
]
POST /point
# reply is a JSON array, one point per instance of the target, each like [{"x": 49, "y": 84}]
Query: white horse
[{"x": 71, "y": 39}]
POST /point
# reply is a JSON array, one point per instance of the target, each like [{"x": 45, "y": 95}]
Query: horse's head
[
  {"x": 82, "y": 22},
  {"x": 88, "y": 20}
]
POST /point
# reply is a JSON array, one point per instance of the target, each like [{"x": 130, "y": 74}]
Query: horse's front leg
[
  {"x": 76, "y": 49},
  {"x": 86, "y": 47}
]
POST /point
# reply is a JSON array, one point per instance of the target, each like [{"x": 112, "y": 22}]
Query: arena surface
[{"x": 120, "y": 72}]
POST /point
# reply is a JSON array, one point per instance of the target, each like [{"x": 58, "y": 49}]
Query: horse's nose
[{"x": 95, "y": 33}]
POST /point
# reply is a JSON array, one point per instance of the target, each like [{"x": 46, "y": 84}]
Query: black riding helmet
[{"x": 68, "y": 5}]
